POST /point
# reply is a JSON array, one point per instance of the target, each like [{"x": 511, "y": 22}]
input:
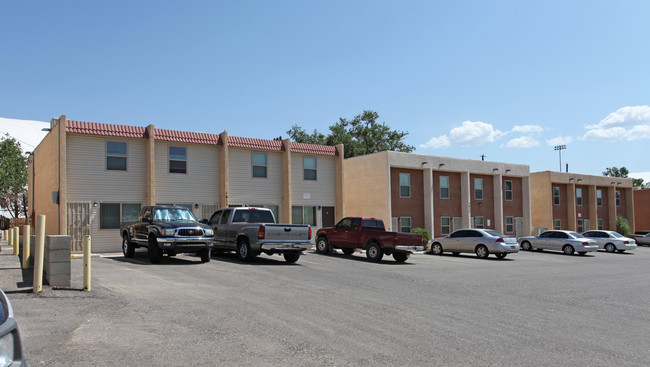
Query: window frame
[
  {"x": 446, "y": 187},
  {"x": 600, "y": 224},
  {"x": 580, "y": 225},
  {"x": 170, "y": 160},
  {"x": 476, "y": 225},
  {"x": 556, "y": 196},
  {"x": 511, "y": 224},
  {"x": 442, "y": 225},
  {"x": 557, "y": 224},
  {"x": 508, "y": 191},
  {"x": 402, "y": 226},
  {"x": 579, "y": 202},
  {"x": 125, "y": 156},
  {"x": 476, "y": 190},
  {"x": 599, "y": 197},
  {"x": 305, "y": 169},
  {"x": 265, "y": 166},
  {"x": 618, "y": 198},
  {"x": 407, "y": 186},
  {"x": 120, "y": 211}
]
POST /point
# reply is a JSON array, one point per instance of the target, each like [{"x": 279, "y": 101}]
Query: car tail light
[
  {"x": 626, "y": 242},
  {"x": 309, "y": 233},
  {"x": 261, "y": 232},
  {"x": 500, "y": 239},
  {"x": 585, "y": 244}
]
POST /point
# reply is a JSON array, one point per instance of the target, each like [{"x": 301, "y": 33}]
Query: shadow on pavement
[{"x": 357, "y": 256}]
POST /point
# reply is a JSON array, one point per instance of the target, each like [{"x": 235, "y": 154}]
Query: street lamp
[{"x": 559, "y": 148}]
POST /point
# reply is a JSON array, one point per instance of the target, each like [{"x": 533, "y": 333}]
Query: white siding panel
[
  {"x": 319, "y": 192},
  {"x": 201, "y": 182},
  {"x": 244, "y": 189}
]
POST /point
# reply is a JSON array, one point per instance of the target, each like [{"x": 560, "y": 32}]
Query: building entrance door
[{"x": 328, "y": 216}]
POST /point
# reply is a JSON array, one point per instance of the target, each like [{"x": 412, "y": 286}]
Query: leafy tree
[
  {"x": 623, "y": 173},
  {"x": 13, "y": 177},
  {"x": 622, "y": 225},
  {"x": 361, "y": 135}
]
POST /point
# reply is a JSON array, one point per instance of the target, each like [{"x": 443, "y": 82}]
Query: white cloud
[
  {"x": 560, "y": 140},
  {"x": 638, "y": 132},
  {"x": 630, "y": 123},
  {"x": 610, "y": 134},
  {"x": 521, "y": 142},
  {"x": 470, "y": 133},
  {"x": 439, "y": 142},
  {"x": 527, "y": 129}
]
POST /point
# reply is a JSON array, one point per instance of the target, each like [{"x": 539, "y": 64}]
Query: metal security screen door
[{"x": 78, "y": 223}]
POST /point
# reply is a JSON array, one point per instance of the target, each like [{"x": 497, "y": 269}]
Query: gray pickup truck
[{"x": 251, "y": 231}]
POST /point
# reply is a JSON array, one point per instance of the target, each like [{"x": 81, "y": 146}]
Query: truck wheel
[
  {"x": 400, "y": 257},
  {"x": 127, "y": 247},
  {"x": 291, "y": 257},
  {"x": 205, "y": 255},
  {"x": 154, "y": 252},
  {"x": 347, "y": 251},
  {"x": 244, "y": 251},
  {"x": 322, "y": 247},
  {"x": 373, "y": 252}
]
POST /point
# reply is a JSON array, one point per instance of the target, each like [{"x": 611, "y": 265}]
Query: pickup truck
[
  {"x": 642, "y": 238},
  {"x": 167, "y": 230},
  {"x": 369, "y": 234},
  {"x": 250, "y": 231}
]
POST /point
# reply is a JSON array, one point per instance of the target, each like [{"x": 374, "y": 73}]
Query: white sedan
[
  {"x": 568, "y": 242},
  {"x": 611, "y": 241},
  {"x": 482, "y": 242}
]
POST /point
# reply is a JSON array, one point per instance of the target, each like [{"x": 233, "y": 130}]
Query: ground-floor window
[
  {"x": 580, "y": 226},
  {"x": 303, "y": 215},
  {"x": 478, "y": 222},
  {"x": 557, "y": 224},
  {"x": 111, "y": 214},
  {"x": 405, "y": 224},
  {"x": 510, "y": 224},
  {"x": 445, "y": 225},
  {"x": 600, "y": 224}
]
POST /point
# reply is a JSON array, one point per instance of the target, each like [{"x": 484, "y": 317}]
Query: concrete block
[
  {"x": 59, "y": 256},
  {"x": 57, "y": 260},
  {"x": 58, "y": 281},
  {"x": 58, "y": 242}
]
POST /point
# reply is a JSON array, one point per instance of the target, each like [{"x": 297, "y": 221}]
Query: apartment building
[
  {"x": 88, "y": 177},
  {"x": 440, "y": 194},
  {"x": 575, "y": 202}
]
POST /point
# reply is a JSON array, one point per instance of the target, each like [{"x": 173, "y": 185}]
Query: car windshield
[
  {"x": 576, "y": 235},
  {"x": 616, "y": 234},
  {"x": 495, "y": 234},
  {"x": 173, "y": 214}
]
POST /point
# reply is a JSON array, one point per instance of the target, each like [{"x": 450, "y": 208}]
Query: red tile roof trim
[
  {"x": 187, "y": 137},
  {"x": 94, "y": 128},
  {"x": 251, "y": 143},
  {"x": 313, "y": 149}
]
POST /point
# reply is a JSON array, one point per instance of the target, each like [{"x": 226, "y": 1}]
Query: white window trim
[
  {"x": 505, "y": 188},
  {"x": 257, "y": 165},
  {"x": 304, "y": 169},
  {"x": 559, "y": 197},
  {"x": 512, "y": 219},
  {"x": 169, "y": 159},
  {"x": 126, "y": 156},
  {"x": 410, "y": 226},
  {"x": 476, "y": 190},
  {"x": 400, "y": 185},
  {"x": 441, "y": 187},
  {"x": 448, "y": 225}
]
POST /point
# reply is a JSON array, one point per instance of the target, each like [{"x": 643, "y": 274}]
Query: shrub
[
  {"x": 425, "y": 234},
  {"x": 623, "y": 226}
]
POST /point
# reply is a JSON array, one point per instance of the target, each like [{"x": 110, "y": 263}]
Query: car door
[
  {"x": 543, "y": 241},
  {"x": 339, "y": 233},
  {"x": 557, "y": 240},
  {"x": 213, "y": 222},
  {"x": 222, "y": 232},
  {"x": 456, "y": 240},
  {"x": 142, "y": 227}
]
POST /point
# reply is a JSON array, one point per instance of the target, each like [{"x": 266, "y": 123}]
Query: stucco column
[
  {"x": 286, "y": 182},
  {"x": 63, "y": 174},
  {"x": 526, "y": 207},
  {"x": 224, "y": 179},
  {"x": 427, "y": 185},
  {"x": 593, "y": 208},
  {"x": 151, "y": 165},
  {"x": 611, "y": 207},
  {"x": 465, "y": 197},
  {"x": 340, "y": 194},
  {"x": 498, "y": 202},
  {"x": 571, "y": 206},
  {"x": 629, "y": 208}
]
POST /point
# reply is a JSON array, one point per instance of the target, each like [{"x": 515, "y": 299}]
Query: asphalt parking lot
[{"x": 529, "y": 309}]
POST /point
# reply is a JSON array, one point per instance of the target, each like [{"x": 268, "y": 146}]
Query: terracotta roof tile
[
  {"x": 239, "y": 142},
  {"x": 313, "y": 149},
  {"x": 187, "y": 137},
  {"x": 94, "y": 128}
]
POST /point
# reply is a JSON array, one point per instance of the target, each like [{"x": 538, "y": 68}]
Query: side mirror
[
  {"x": 203, "y": 221},
  {"x": 146, "y": 219}
]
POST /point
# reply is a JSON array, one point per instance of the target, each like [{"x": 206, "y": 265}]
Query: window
[
  {"x": 508, "y": 190},
  {"x": 510, "y": 224},
  {"x": 130, "y": 212},
  {"x": 556, "y": 195},
  {"x": 579, "y": 197},
  {"x": 116, "y": 155},
  {"x": 259, "y": 165},
  {"x": 599, "y": 198},
  {"x": 405, "y": 224},
  {"x": 444, "y": 187},
  {"x": 600, "y": 224},
  {"x": 111, "y": 214},
  {"x": 618, "y": 198},
  {"x": 445, "y": 225},
  {"x": 303, "y": 215},
  {"x": 478, "y": 188},
  {"x": 309, "y": 168},
  {"x": 478, "y": 222},
  {"x": 296, "y": 215},
  {"x": 580, "y": 226},
  {"x": 177, "y": 159},
  {"x": 405, "y": 185},
  {"x": 214, "y": 219},
  {"x": 557, "y": 224}
]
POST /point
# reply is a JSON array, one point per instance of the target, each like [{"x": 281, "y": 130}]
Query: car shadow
[
  {"x": 474, "y": 257},
  {"x": 560, "y": 253},
  {"x": 627, "y": 252},
  {"x": 142, "y": 258},
  {"x": 260, "y": 260},
  {"x": 357, "y": 256}
]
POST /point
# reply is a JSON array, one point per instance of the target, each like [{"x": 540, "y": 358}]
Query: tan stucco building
[
  {"x": 575, "y": 202},
  {"x": 440, "y": 194},
  {"x": 88, "y": 177}
]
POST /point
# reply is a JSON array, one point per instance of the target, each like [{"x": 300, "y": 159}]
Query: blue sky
[{"x": 508, "y": 79}]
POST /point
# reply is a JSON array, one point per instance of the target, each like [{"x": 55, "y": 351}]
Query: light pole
[{"x": 559, "y": 149}]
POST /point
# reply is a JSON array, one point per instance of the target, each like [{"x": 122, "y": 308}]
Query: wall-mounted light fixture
[
  {"x": 95, "y": 204},
  {"x": 196, "y": 205},
  {"x": 319, "y": 207}
]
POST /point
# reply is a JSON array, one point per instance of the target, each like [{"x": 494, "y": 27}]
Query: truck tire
[
  {"x": 291, "y": 257},
  {"x": 127, "y": 247},
  {"x": 322, "y": 246},
  {"x": 347, "y": 251},
  {"x": 400, "y": 257},
  {"x": 244, "y": 251},
  {"x": 205, "y": 255},
  {"x": 154, "y": 252},
  {"x": 373, "y": 252}
]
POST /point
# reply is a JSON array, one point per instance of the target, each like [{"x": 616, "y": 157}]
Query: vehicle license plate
[{"x": 512, "y": 247}]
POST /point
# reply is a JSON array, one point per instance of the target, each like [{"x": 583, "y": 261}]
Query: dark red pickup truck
[{"x": 368, "y": 234}]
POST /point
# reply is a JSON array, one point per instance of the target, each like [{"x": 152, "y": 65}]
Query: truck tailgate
[{"x": 286, "y": 232}]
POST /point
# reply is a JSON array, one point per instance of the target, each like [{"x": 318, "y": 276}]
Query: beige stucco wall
[{"x": 367, "y": 186}]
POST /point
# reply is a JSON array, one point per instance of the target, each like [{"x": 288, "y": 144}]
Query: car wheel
[
  {"x": 436, "y": 249},
  {"x": 322, "y": 247},
  {"x": 526, "y": 246},
  {"x": 244, "y": 250},
  {"x": 400, "y": 257},
  {"x": 373, "y": 252},
  {"x": 347, "y": 251},
  {"x": 154, "y": 252},
  {"x": 455, "y": 253},
  {"x": 127, "y": 247},
  {"x": 610, "y": 247},
  {"x": 291, "y": 257},
  {"x": 568, "y": 250},
  {"x": 501, "y": 256},
  {"x": 205, "y": 255},
  {"x": 482, "y": 252}
]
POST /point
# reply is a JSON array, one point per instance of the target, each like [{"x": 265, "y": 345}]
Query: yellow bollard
[
  {"x": 10, "y": 234},
  {"x": 26, "y": 247},
  {"x": 39, "y": 248},
  {"x": 16, "y": 241},
  {"x": 86, "y": 263}
]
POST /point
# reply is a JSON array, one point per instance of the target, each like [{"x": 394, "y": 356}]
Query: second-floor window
[
  {"x": 556, "y": 195},
  {"x": 444, "y": 187},
  {"x": 259, "y": 165},
  {"x": 405, "y": 185},
  {"x": 309, "y": 168},
  {"x": 508, "y": 188},
  {"x": 599, "y": 198},
  {"x": 177, "y": 159},
  {"x": 116, "y": 155},
  {"x": 618, "y": 198},
  {"x": 579, "y": 197},
  {"x": 478, "y": 189}
]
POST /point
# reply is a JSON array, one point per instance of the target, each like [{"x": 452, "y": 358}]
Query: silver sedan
[
  {"x": 611, "y": 241},
  {"x": 568, "y": 242},
  {"x": 482, "y": 242}
]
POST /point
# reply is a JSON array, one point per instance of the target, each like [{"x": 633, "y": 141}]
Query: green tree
[
  {"x": 360, "y": 135},
  {"x": 13, "y": 177},
  {"x": 623, "y": 173}
]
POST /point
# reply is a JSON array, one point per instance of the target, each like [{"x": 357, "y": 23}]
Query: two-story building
[{"x": 88, "y": 177}]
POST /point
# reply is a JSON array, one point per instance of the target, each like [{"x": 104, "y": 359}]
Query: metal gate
[{"x": 78, "y": 223}]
